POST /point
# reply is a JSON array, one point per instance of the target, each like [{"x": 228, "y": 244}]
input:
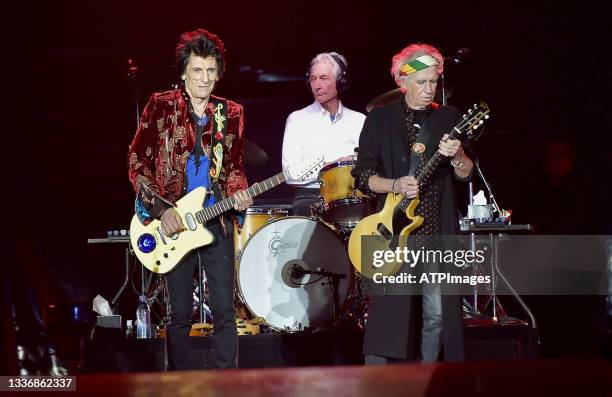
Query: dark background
[{"x": 543, "y": 68}]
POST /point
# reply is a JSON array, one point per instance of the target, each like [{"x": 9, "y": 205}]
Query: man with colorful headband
[
  {"x": 188, "y": 138},
  {"x": 388, "y": 161}
]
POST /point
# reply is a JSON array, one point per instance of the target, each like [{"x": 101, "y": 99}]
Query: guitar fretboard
[
  {"x": 435, "y": 160},
  {"x": 225, "y": 205}
]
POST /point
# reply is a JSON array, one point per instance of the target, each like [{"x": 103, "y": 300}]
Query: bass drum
[{"x": 273, "y": 278}]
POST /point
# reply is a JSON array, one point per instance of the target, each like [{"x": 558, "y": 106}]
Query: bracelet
[
  {"x": 393, "y": 186},
  {"x": 457, "y": 162}
]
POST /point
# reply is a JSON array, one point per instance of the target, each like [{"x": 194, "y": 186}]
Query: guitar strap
[
  {"x": 217, "y": 137},
  {"x": 417, "y": 151}
]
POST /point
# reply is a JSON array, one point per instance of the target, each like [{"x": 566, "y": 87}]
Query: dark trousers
[{"x": 218, "y": 263}]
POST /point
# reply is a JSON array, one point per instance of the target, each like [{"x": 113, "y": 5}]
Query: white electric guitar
[{"x": 161, "y": 253}]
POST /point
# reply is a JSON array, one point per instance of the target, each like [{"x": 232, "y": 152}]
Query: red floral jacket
[{"x": 158, "y": 154}]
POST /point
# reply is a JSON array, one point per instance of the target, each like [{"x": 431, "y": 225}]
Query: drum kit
[{"x": 293, "y": 272}]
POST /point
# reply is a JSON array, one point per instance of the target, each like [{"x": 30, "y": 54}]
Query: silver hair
[{"x": 329, "y": 57}]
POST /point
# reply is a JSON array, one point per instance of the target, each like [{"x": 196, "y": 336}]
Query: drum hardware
[
  {"x": 298, "y": 272},
  {"x": 201, "y": 329},
  {"x": 249, "y": 327},
  {"x": 201, "y": 279}
]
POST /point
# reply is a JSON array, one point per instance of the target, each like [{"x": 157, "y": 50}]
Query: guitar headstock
[
  {"x": 473, "y": 118},
  {"x": 305, "y": 170}
]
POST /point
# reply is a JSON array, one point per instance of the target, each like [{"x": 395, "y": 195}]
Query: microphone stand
[
  {"x": 443, "y": 89},
  {"x": 132, "y": 71},
  {"x": 333, "y": 279},
  {"x": 133, "y": 81},
  {"x": 495, "y": 270},
  {"x": 496, "y": 207}
]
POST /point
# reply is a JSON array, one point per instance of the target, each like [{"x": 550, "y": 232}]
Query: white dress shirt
[{"x": 310, "y": 132}]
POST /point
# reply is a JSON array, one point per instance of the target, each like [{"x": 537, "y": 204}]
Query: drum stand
[
  {"x": 333, "y": 280},
  {"x": 355, "y": 304},
  {"x": 354, "y": 312}
]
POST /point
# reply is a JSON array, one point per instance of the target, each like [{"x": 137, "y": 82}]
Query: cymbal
[
  {"x": 384, "y": 99},
  {"x": 393, "y": 95},
  {"x": 253, "y": 153}
]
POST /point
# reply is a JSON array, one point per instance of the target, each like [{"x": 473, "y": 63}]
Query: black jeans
[{"x": 218, "y": 263}]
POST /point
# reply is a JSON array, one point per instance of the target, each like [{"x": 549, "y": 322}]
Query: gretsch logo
[{"x": 277, "y": 245}]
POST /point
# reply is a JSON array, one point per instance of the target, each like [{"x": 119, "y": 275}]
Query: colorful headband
[{"x": 422, "y": 62}]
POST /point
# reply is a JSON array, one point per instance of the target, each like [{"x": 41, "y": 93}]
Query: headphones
[{"x": 342, "y": 81}]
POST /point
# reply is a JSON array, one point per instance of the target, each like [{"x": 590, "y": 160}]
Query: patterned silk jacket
[{"x": 166, "y": 136}]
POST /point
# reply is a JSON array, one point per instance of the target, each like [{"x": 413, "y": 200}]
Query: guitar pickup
[
  {"x": 161, "y": 234},
  {"x": 384, "y": 232}
]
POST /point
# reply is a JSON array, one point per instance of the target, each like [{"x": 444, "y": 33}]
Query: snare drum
[
  {"x": 343, "y": 203},
  {"x": 274, "y": 278},
  {"x": 255, "y": 218}
]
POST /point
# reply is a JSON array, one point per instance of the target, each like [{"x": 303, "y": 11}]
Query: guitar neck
[
  {"x": 471, "y": 120},
  {"x": 429, "y": 168},
  {"x": 433, "y": 162},
  {"x": 225, "y": 205}
]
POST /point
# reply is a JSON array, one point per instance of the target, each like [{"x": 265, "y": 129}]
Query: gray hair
[{"x": 329, "y": 57}]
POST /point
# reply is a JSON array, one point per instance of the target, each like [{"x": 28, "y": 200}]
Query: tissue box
[
  {"x": 483, "y": 211},
  {"x": 113, "y": 321}
]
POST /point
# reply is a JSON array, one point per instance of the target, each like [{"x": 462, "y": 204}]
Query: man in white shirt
[{"x": 325, "y": 127}]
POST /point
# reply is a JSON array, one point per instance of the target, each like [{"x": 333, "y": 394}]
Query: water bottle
[
  {"x": 129, "y": 330},
  {"x": 143, "y": 318}
]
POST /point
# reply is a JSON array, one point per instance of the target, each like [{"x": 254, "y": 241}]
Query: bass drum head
[{"x": 271, "y": 283}]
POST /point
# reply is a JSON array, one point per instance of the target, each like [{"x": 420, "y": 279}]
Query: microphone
[
  {"x": 459, "y": 56},
  {"x": 296, "y": 272}
]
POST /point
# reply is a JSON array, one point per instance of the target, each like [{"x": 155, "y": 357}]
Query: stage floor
[{"x": 509, "y": 378}]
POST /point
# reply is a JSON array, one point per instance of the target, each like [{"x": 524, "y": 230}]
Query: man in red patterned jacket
[{"x": 188, "y": 138}]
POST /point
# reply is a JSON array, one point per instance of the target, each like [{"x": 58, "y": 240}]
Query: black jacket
[{"x": 392, "y": 328}]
